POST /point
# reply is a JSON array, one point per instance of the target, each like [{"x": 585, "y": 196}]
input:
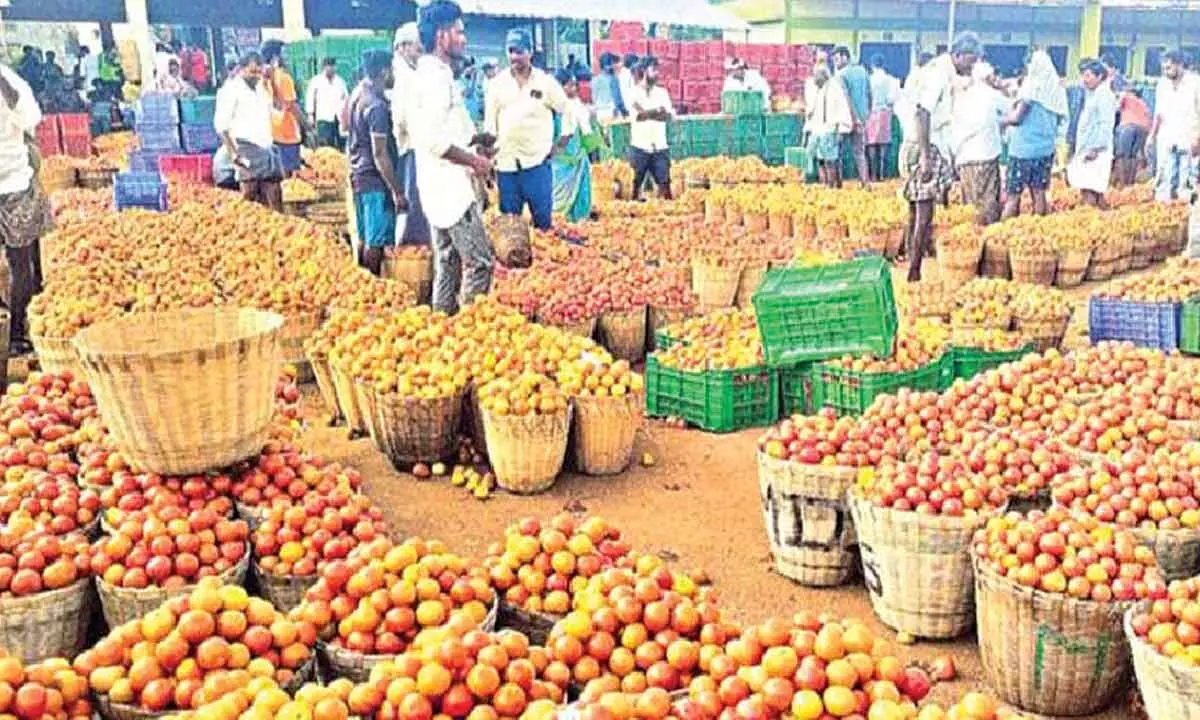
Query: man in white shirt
[
  {"x": 519, "y": 112},
  {"x": 413, "y": 228},
  {"x": 884, "y": 90},
  {"x": 651, "y": 109},
  {"x": 1175, "y": 102},
  {"x": 741, "y": 78},
  {"x": 324, "y": 100},
  {"x": 977, "y": 115},
  {"x": 24, "y": 209},
  {"x": 88, "y": 70},
  {"x": 625, "y": 78},
  {"x": 442, "y": 135},
  {"x": 243, "y": 120},
  {"x": 930, "y": 173}
]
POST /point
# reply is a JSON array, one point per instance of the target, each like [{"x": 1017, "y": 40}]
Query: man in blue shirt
[
  {"x": 858, "y": 89},
  {"x": 378, "y": 193}
]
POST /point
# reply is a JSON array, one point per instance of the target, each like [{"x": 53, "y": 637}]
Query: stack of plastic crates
[
  {"x": 139, "y": 190},
  {"x": 158, "y": 123},
  {"x": 76, "y": 132}
]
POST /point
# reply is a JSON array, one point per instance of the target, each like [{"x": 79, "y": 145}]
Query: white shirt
[
  {"x": 244, "y": 113},
  {"x": 935, "y": 97},
  {"x": 576, "y": 117},
  {"x": 1175, "y": 108},
  {"x": 976, "y": 127},
  {"x": 403, "y": 88},
  {"x": 625, "y": 80},
  {"x": 884, "y": 89},
  {"x": 15, "y": 171},
  {"x": 522, "y": 117},
  {"x": 89, "y": 70},
  {"x": 648, "y": 135},
  {"x": 749, "y": 83},
  {"x": 325, "y": 97},
  {"x": 438, "y": 119}
]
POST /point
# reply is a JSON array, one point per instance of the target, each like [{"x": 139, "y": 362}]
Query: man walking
[
  {"x": 413, "y": 228},
  {"x": 651, "y": 108},
  {"x": 286, "y": 118},
  {"x": 858, "y": 88},
  {"x": 519, "y": 112},
  {"x": 323, "y": 101},
  {"x": 978, "y": 113},
  {"x": 1170, "y": 135},
  {"x": 243, "y": 120},
  {"x": 442, "y": 135},
  {"x": 1091, "y": 168},
  {"x": 373, "y": 179}
]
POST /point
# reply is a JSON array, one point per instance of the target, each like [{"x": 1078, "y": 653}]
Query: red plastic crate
[
  {"x": 626, "y": 30},
  {"x": 77, "y": 145},
  {"x": 692, "y": 52},
  {"x": 48, "y": 138},
  {"x": 74, "y": 124},
  {"x": 669, "y": 68},
  {"x": 186, "y": 168},
  {"x": 801, "y": 54},
  {"x": 637, "y": 47},
  {"x": 662, "y": 48}
]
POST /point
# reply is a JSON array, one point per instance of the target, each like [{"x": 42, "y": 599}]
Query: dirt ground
[{"x": 698, "y": 506}]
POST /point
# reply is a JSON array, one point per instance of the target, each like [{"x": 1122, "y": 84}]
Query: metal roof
[{"x": 696, "y": 13}]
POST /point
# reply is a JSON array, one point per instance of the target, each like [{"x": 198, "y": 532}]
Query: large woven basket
[
  {"x": 323, "y": 374},
  {"x": 412, "y": 430},
  {"x": 917, "y": 568},
  {"x": 807, "y": 521},
  {"x": 185, "y": 391},
  {"x": 959, "y": 264},
  {"x": 347, "y": 401},
  {"x": 755, "y": 222},
  {"x": 714, "y": 211},
  {"x": 584, "y": 328},
  {"x": 995, "y": 261},
  {"x": 60, "y": 178},
  {"x": 1145, "y": 245},
  {"x": 715, "y": 285},
  {"x": 604, "y": 431},
  {"x": 297, "y": 327},
  {"x": 661, "y": 317},
  {"x": 1169, "y": 690},
  {"x": 283, "y": 591},
  {"x": 1042, "y": 334},
  {"x": 95, "y": 178},
  {"x": 415, "y": 271},
  {"x": 110, "y": 710},
  {"x": 48, "y": 624},
  {"x": 121, "y": 605},
  {"x": 1177, "y": 551},
  {"x": 751, "y": 277},
  {"x": 527, "y": 451},
  {"x": 1101, "y": 269},
  {"x": 533, "y": 625},
  {"x": 1033, "y": 267},
  {"x": 1072, "y": 267},
  {"x": 56, "y": 355},
  {"x": 779, "y": 224},
  {"x": 1048, "y": 653},
  {"x": 804, "y": 227},
  {"x": 362, "y": 398},
  {"x": 624, "y": 333}
]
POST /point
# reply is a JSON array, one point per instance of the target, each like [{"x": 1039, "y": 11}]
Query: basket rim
[
  {"x": 1137, "y": 644},
  {"x": 152, "y": 590},
  {"x": 14, "y": 603},
  {"x": 982, "y": 570},
  {"x": 273, "y": 322}
]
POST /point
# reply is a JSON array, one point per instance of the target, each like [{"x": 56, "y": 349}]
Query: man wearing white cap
[
  {"x": 740, "y": 78},
  {"x": 413, "y": 228}
]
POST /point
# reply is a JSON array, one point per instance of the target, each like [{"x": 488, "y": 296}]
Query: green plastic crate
[
  {"x": 619, "y": 136},
  {"x": 747, "y": 127},
  {"x": 1189, "y": 329},
  {"x": 795, "y": 390},
  {"x": 715, "y": 400},
  {"x": 850, "y": 393},
  {"x": 741, "y": 102},
  {"x": 969, "y": 361},
  {"x": 822, "y": 312},
  {"x": 676, "y": 133},
  {"x": 706, "y": 128},
  {"x": 785, "y": 125},
  {"x": 679, "y": 150},
  {"x": 748, "y": 146},
  {"x": 707, "y": 150}
]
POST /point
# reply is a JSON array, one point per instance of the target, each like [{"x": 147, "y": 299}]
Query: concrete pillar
[
  {"x": 294, "y": 25},
  {"x": 1089, "y": 30},
  {"x": 137, "y": 14}
]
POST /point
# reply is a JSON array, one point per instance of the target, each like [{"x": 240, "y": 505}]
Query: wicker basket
[
  {"x": 624, "y": 333},
  {"x": 110, "y": 710},
  {"x": 1033, "y": 267},
  {"x": 715, "y": 285},
  {"x": 995, "y": 261},
  {"x": 1177, "y": 551},
  {"x": 1049, "y": 653},
  {"x": 1101, "y": 269},
  {"x": 1169, "y": 690},
  {"x": 347, "y": 401},
  {"x": 604, "y": 431},
  {"x": 297, "y": 328},
  {"x": 733, "y": 214},
  {"x": 323, "y": 374},
  {"x": 534, "y": 625},
  {"x": 1042, "y": 334},
  {"x": 1124, "y": 263},
  {"x": 185, "y": 391},
  {"x": 714, "y": 211},
  {"x": 751, "y": 277},
  {"x": 584, "y": 328},
  {"x": 661, "y": 317},
  {"x": 56, "y": 355},
  {"x": 415, "y": 271},
  {"x": 959, "y": 265},
  {"x": 526, "y": 451},
  {"x": 49, "y": 624},
  {"x": 917, "y": 567},
  {"x": 893, "y": 242},
  {"x": 94, "y": 179},
  {"x": 296, "y": 208},
  {"x": 804, "y": 228},
  {"x": 779, "y": 225},
  {"x": 411, "y": 430},
  {"x": 807, "y": 521},
  {"x": 1145, "y": 244},
  {"x": 283, "y": 591},
  {"x": 124, "y": 604},
  {"x": 1072, "y": 267},
  {"x": 755, "y": 222},
  {"x": 54, "y": 179}
]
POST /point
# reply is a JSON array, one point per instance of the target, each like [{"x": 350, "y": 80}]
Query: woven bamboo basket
[
  {"x": 808, "y": 524},
  {"x": 604, "y": 431},
  {"x": 961, "y": 328},
  {"x": 715, "y": 285},
  {"x": 364, "y": 396},
  {"x": 56, "y": 355},
  {"x": 959, "y": 265},
  {"x": 779, "y": 225},
  {"x": 584, "y": 328},
  {"x": 1177, "y": 551},
  {"x": 49, "y": 624},
  {"x": 330, "y": 191},
  {"x": 185, "y": 391},
  {"x": 53, "y": 179},
  {"x": 1033, "y": 267},
  {"x": 94, "y": 179},
  {"x": 733, "y": 214},
  {"x": 1125, "y": 259},
  {"x": 1048, "y": 653},
  {"x": 534, "y": 625},
  {"x": 1179, "y": 240},
  {"x": 295, "y": 208},
  {"x": 1072, "y": 267},
  {"x": 1164, "y": 247},
  {"x": 121, "y": 605},
  {"x": 1042, "y": 334},
  {"x": 995, "y": 262},
  {"x": 893, "y": 242},
  {"x": 695, "y": 180},
  {"x": 1101, "y": 269},
  {"x": 297, "y": 328},
  {"x": 751, "y": 277},
  {"x": 323, "y": 374},
  {"x": 714, "y": 211},
  {"x": 755, "y": 222},
  {"x": 283, "y": 591},
  {"x": 661, "y": 317},
  {"x": 347, "y": 401},
  {"x": 415, "y": 271},
  {"x": 624, "y": 333},
  {"x": 917, "y": 567},
  {"x": 110, "y": 710},
  {"x": 527, "y": 451},
  {"x": 415, "y": 430},
  {"x": 1170, "y": 691},
  {"x": 1145, "y": 244},
  {"x": 804, "y": 227}
]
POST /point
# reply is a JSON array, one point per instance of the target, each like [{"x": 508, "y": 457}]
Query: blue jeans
[
  {"x": 535, "y": 186},
  {"x": 1173, "y": 174}
]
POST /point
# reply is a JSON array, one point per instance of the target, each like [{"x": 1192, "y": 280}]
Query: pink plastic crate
[
  {"x": 49, "y": 139},
  {"x": 635, "y": 46},
  {"x": 693, "y": 52},
  {"x": 663, "y": 49},
  {"x": 186, "y": 168},
  {"x": 77, "y": 145},
  {"x": 669, "y": 68}
]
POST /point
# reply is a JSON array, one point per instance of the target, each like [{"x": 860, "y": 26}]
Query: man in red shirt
[{"x": 1132, "y": 129}]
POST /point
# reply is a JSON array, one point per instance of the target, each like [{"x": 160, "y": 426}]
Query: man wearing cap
[
  {"x": 741, "y": 79},
  {"x": 413, "y": 229},
  {"x": 519, "y": 112},
  {"x": 373, "y": 179}
]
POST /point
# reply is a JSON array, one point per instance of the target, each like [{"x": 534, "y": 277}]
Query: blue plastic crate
[
  {"x": 1152, "y": 325},
  {"x": 199, "y": 139},
  {"x": 139, "y": 190},
  {"x": 163, "y": 138},
  {"x": 158, "y": 109},
  {"x": 144, "y": 161},
  {"x": 198, "y": 110}
]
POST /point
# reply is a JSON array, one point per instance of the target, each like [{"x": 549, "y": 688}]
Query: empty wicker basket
[
  {"x": 527, "y": 451},
  {"x": 624, "y": 333},
  {"x": 414, "y": 270},
  {"x": 55, "y": 355},
  {"x": 604, "y": 430},
  {"x": 185, "y": 391},
  {"x": 414, "y": 430},
  {"x": 715, "y": 285}
]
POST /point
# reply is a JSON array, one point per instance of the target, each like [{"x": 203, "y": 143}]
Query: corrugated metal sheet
[{"x": 696, "y": 13}]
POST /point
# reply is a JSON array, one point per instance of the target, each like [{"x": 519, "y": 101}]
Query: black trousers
[{"x": 25, "y": 268}]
